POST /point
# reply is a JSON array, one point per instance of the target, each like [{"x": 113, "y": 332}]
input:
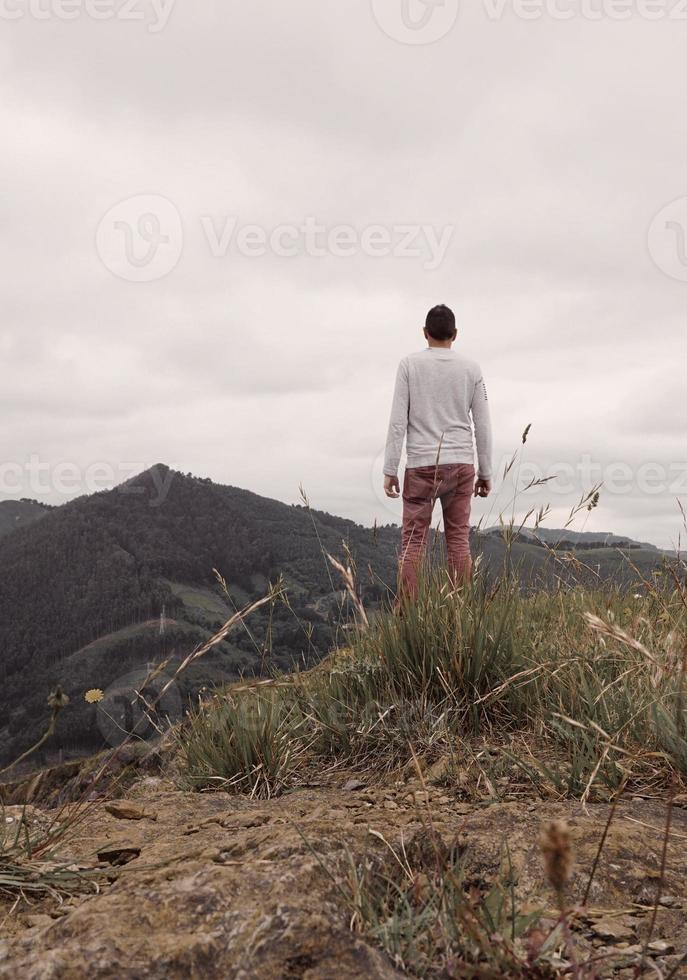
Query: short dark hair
[{"x": 441, "y": 323}]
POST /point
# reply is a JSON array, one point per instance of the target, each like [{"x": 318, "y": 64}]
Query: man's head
[{"x": 440, "y": 325}]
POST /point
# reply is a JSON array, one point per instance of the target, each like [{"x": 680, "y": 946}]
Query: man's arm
[
  {"x": 481, "y": 422},
  {"x": 398, "y": 425}
]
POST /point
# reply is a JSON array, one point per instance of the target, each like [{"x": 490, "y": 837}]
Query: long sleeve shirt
[{"x": 439, "y": 399}]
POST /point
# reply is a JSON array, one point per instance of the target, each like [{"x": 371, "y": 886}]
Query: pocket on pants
[{"x": 417, "y": 486}]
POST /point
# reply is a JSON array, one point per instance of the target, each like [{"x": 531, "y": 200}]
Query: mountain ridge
[{"x": 82, "y": 587}]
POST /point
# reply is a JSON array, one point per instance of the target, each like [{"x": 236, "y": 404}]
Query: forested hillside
[
  {"x": 99, "y": 589},
  {"x": 107, "y": 583},
  {"x": 18, "y": 513}
]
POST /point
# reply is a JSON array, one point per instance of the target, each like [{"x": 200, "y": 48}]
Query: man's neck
[{"x": 440, "y": 344}]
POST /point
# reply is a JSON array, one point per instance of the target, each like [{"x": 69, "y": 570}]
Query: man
[{"x": 439, "y": 398}]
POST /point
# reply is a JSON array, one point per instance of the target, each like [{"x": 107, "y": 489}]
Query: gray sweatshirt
[{"x": 439, "y": 397}]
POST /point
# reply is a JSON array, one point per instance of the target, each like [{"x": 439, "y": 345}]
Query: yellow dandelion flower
[{"x": 94, "y": 695}]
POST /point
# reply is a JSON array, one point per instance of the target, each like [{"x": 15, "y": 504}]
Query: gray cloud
[{"x": 547, "y": 147}]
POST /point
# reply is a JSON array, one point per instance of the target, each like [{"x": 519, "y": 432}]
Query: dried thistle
[
  {"x": 526, "y": 432},
  {"x": 57, "y": 699},
  {"x": 557, "y": 853}
]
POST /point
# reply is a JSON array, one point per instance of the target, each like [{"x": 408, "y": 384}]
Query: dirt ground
[{"x": 219, "y": 886}]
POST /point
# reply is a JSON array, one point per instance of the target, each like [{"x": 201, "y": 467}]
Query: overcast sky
[{"x": 222, "y": 224}]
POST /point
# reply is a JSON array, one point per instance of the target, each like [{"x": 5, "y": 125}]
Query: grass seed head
[{"x": 557, "y": 852}]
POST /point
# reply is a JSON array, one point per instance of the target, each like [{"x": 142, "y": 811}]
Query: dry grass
[{"x": 585, "y": 686}]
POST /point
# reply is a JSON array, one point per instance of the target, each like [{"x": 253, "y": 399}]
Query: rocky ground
[{"x": 217, "y": 885}]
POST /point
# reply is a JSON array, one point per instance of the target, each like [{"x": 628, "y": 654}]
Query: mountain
[
  {"x": 564, "y": 537},
  {"x": 19, "y": 513},
  {"x": 102, "y": 586},
  {"x": 96, "y": 591}
]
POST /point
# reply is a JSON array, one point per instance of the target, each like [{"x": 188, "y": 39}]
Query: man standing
[{"x": 439, "y": 398}]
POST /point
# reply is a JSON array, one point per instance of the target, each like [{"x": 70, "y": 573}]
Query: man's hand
[
  {"x": 391, "y": 486},
  {"x": 482, "y": 488}
]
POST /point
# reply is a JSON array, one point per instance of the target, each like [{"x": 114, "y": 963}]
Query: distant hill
[
  {"x": 19, "y": 513},
  {"x": 557, "y": 537},
  {"x": 106, "y": 584},
  {"x": 95, "y": 591}
]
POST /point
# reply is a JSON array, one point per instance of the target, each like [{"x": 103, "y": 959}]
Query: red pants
[{"x": 453, "y": 485}]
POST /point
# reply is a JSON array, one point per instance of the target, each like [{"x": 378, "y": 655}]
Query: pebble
[
  {"x": 670, "y": 902},
  {"x": 38, "y": 921},
  {"x": 353, "y": 784},
  {"x": 661, "y": 947},
  {"x": 124, "y": 810},
  {"x": 419, "y": 796},
  {"x": 612, "y": 930}
]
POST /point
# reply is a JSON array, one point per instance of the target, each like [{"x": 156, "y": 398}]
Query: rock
[
  {"x": 660, "y": 947},
  {"x": 247, "y": 895},
  {"x": 353, "y": 784},
  {"x": 246, "y": 820},
  {"x": 118, "y": 854},
  {"x": 670, "y": 902},
  {"x": 613, "y": 930},
  {"x": 419, "y": 796},
  {"x": 123, "y": 810},
  {"x": 151, "y": 782}
]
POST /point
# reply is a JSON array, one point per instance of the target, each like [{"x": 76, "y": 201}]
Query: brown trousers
[{"x": 453, "y": 485}]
